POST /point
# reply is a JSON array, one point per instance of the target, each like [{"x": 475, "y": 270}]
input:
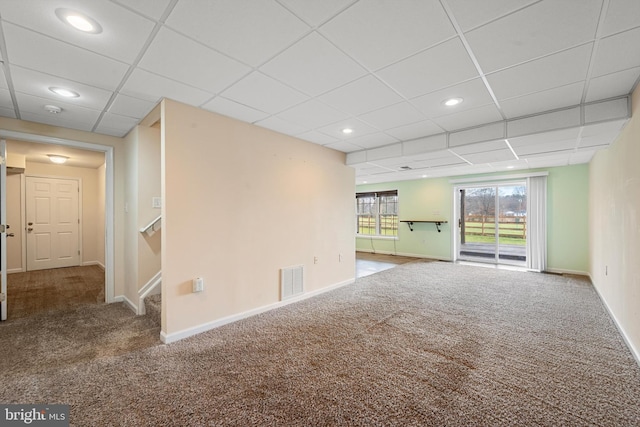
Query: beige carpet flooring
[
  {"x": 43, "y": 290},
  {"x": 423, "y": 344}
]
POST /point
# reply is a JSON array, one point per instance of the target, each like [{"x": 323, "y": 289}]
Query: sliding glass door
[{"x": 493, "y": 223}]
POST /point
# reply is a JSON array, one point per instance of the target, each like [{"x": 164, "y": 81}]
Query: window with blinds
[{"x": 377, "y": 213}]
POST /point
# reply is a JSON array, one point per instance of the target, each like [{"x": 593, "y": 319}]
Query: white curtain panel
[{"x": 537, "y": 223}]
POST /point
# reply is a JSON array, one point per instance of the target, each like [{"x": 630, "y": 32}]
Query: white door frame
[
  {"x": 109, "y": 254},
  {"x": 3, "y": 233}
]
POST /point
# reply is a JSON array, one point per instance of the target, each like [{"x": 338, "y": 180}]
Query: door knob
[
  {"x": 30, "y": 223},
  {"x": 10, "y": 235},
  {"x": 30, "y": 229}
]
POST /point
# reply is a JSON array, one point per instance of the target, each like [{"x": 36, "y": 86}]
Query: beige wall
[
  {"x": 91, "y": 227},
  {"x": 94, "y": 138},
  {"x": 149, "y": 186},
  {"x": 142, "y": 251},
  {"x": 241, "y": 202},
  {"x": 614, "y": 226}
]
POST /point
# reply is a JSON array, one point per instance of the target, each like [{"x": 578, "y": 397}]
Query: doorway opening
[
  {"x": 492, "y": 223},
  {"x": 78, "y": 267}
]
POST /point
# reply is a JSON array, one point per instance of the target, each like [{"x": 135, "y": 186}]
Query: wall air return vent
[
  {"x": 291, "y": 281},
  {"x": 405, "y": 168}
]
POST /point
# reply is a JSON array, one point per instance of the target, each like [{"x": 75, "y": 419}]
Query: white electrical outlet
[
  {"x": 315, "y": 259},
  {"x": 198, "y": 284},
  {"x": 156, "y": 202}
]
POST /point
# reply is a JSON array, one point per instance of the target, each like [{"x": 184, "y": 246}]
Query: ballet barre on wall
[{"x": 438, "y": 223}]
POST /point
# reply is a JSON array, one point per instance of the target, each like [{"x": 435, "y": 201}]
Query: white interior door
[
  {"x": 3, "y": 231},
  {"x": 53, "y": 223}
]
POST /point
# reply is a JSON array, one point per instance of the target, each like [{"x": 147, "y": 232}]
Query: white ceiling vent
[{"x": 291, "y": 281}]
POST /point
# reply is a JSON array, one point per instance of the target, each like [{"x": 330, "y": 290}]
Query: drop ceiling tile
[
  {"x": 621, "y": 15},
  {"x": 313, "y": 66},
  {"x": 611, "y": 85},
  {"x": 114, "y": 124},
  {"x": 617, "y": 53},
  {"x": 282, "y": 126},
  {"x": 56, "y": 120},
  {"x": 554, "y": 136},
  {"x": 3, "y": 80},
  {"x": 549, "y": 72},
  {"x": 317, "y": 137},
  {"x": 539, "y": 102},
  {"x": 151, "y": 87},
  {"x": 312, "y": 114},
  {"x": 393, "y": 116},
  {"x": 542, "y": 147},
  {"x": 179, "y": 58},
  {"x": 8, "y": 112},
  {"x": 473, "y": 92},
  {"x": 38, "y": 84},
  {"x": 378, "y": 33},
  {"x": 37, "y": 52},
  {"x": 604, "y": 127},
  {"x": 581, "y": 157},
  {"x": 359, "y": 129},
  {"x": 71, "y": 112},
  {"x": 124, "y": 105},
  {"x": 123, "y": 34},
  {"x": 490, "y": 156},
  {"x": 559, "y": 159},
  {"x": 315, "y": 13},
  {"x": 344, "y": 146},
  {"x": 535, "y": 31},
  {"x": 470, "y": 14},
  {"x": 151, "y": 8},
  {"x": 440, "y": 160},
  {"x": 251, "y": 31},
  {"x": 415, "y": 130},
  {"x": 480, "y": 147},
  {"x": 5, "y": 99},
  {"x": 361, "y": 96},
  {"x": 509, "y": 165},
  {"x": 436, "y": 68},
  {"x": 469, "y": 118},
  {"x": 264, "y": 93},
  {"x": 373, "y": 140},
  {"x": 229, "y": 108}
]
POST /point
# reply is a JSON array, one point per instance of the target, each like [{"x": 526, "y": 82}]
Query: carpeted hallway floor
[{"x": 426, "y": 343}]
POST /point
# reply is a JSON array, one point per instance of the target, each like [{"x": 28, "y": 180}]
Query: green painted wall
[{"x": 567, "y": 216}]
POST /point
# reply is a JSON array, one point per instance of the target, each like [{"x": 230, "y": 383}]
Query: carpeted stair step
[{"x": 153, "y": 306}]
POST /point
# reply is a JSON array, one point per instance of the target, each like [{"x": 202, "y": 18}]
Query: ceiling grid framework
[{"x": 542, "y": 82}]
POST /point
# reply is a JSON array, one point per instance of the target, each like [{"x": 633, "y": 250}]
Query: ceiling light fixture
[
  {"x": 53, "y": 109},
  {"x": 510, "y": 167},
  {"x": 347, "y": 131},
  {"x": 67, "y": 93},
  {"x": 55, "y": 158},
  {"x": 451, "y": 102},
  {"x": 79, "y": 21}
]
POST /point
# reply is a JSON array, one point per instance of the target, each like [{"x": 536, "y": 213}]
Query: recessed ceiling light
[
  {"x": 347, "y": 131},
  {"x": 55, "y": 158},
  {"x": 79, "y": 21},
  {"x": 452, "y": 102},
  {"x": 510, "y": 167},
  {"x": 424, "y": 176},
  {"x": 364, "y": 182},
  {"x": 67, "y": 93},
  {"x": 53, "y": 109}
]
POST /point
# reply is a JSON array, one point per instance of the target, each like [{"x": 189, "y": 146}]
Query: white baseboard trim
[
  {"x": 185, "y": 333},
  {"x": 634, "y": 351},
  {"x": 126, "y": 301},
  {"x": 15, "y": 270},
  {"x": 98, "y": 263},
  {"x": 369, "y": 251},
  {"x": 146, "y": 290},
  {"x": 564, "y": 271}
]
